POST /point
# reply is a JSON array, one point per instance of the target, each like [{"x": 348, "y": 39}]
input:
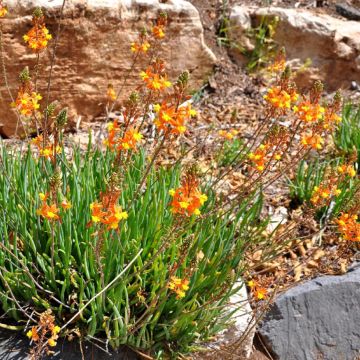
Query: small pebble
[{"x": 354, "y": 86}]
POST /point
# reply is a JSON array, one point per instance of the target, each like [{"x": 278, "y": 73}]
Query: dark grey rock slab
[
  {"x": 319, "y": 319},
  {"x": 348, "y": 11},
  {"x": 16, "y": 347}
]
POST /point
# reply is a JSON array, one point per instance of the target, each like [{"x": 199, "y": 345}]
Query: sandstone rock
[
  {"x": 316, "y": 320},
  {"x": 94, "y": 50},
  {"x": 332, "y": 45},
  {"x": 239, "y": 33}
]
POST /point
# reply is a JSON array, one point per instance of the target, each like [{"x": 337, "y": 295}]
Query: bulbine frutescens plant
[{"x": 110, "y": 243}]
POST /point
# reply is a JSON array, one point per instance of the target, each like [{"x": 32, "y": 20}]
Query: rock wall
[{"x": 94, "y": 49}]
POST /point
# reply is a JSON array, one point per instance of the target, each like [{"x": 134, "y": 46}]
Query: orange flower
[
  {"x": 141, "y": 47},
  {"x": 113, "y": 217},
  {"x": 159, "y": 83},
  {"x": 259, "y": 157},
  {"x": 330, "y": 119},
  {"x": 146, "y": 75},
  {"x": 46, "y": 330},
  {"x": 33, "y": 334},
  {"x": 278, "y": 66},
  {"x": 312, "y": 140},
  {"x": 97, "y": 214},
  {"x": 107, "y": 212},
  {"x": 268, "y": 152},
  {"x": 187, "y": 199},
  {"x": 349, "y": 227},
  {"x": 37, "y": 141},
  {"x": 113, "y": 130},
  {"x": 322, "y": 194},
  {"x": 3, "y": 10},
  {"x": 27, "y": 101},
  {"x": 228, "y": 135},
  {"x": 129, "y": 140},
  {"x": 260, "y": 293},
  {"x": 38, "y": 36},
  {"x": 179, "y": 286},
  {"x": 347, "y": 169},
  {"x": 170, "y": 119},
  {"x": 309, "y": 112},
  {"x": 49, "y": 151},
  {"x": 279, "y": 98},
  {"x": 166, "y": 114},
  {"x": 66, "y": 204},
  {"x": 158, "y": 31},
  {"x": 155, "y": 81},
  {"x": 49, "y": 212},
  {"x": 111, "y": 94}
]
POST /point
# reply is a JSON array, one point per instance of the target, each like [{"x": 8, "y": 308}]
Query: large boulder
[
  {"x": 316, "y": 320},
  {"x": 15, "y": 346},
  {"x": 331, "y": 44},
  {"x": 94, "y": 49}
]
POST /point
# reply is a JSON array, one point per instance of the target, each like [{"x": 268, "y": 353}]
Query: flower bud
[
  {"x": 55, "y": 180},
  {"x": 49, "y": 111},
  {"x": 61, "y": 119},
  {"x": 183, "y": 78},
  {"x": 25, "y": 75},
  {"x": 38, "y": 13},
  {"x": 134, "y": 97}
]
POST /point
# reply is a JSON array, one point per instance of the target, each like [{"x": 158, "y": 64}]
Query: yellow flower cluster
[
  {"x": 27, "y": 102},
  {"x": 46, "y": 329},
  {"x": 179, "y": 286},
  {"x": 107, "y": 212},
  {"x": 309, "y": 112},
  {"x": 312, "y": 120},
  {"x": 49, "y": 151},
  {"x": 322, "y": 194},
  {"x": 187, "y": 199},
  {"x": 122, "y": 141},
  {"x": 347, "y": 169},
  {"x": 259, "y": 292},
  {"x": 280, "y": 98},
  {"x": 3, "y": 9},
  {"x": 111, "y": 94},
  {"x": 271, "y": 151},
  {"x": 38, "y": 36},
  {"x": 51, "y": 212},
  {"x": 315, "y": 141},
  {"x": 142, "y": 47},
  {"x": 155, "y": 81},
  {"x": 172, "y": 119},
  {"x": 349, "y": 227},
  {"x": 228, "y": 135}
]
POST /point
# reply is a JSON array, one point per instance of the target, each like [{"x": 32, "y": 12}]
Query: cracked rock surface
[{"x": 316, "y": 320}]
